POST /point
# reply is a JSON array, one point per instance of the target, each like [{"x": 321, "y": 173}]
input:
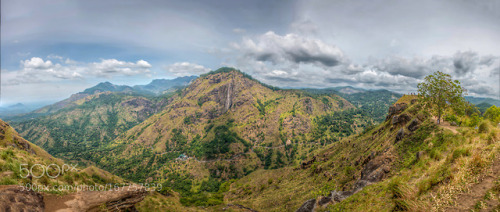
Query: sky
[{"x": 51, "y": 49}]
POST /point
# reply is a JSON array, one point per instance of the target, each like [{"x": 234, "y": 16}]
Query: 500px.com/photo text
[{"x": 95, "y": 187}]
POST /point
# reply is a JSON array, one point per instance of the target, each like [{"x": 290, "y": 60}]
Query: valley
[{"x": 227, "y": 140}]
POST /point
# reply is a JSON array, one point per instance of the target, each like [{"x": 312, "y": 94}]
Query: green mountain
[
  {"x": 406, "y": 163},
  {"x": 479, "y": 100},
  {"x": 89, "y": 123},
  {"x": 225, "y": 125},
  {"x": 159, "y": 86},
  {"x": 373, "y": 102}
]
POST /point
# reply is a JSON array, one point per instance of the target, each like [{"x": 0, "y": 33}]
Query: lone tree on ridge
[{"x": 440, "y": 92}]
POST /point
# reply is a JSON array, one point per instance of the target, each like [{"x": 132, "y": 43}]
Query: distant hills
[
  {"x": 479, "y": 100},
  {"x": 155, "y": 88},
  {"x": 225, "y": 137}
]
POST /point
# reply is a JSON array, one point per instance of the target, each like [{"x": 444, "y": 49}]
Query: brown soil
[
  {"x": 466, "y": 201},
  {"x": 446, "y": 125},
  {"x": 55, "y": 202}
]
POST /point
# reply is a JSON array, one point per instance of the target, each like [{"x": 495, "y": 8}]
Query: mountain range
[{"x": 226, "y": 140}]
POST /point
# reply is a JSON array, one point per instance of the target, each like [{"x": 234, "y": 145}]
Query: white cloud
[
  {"x": 36, "y": 70},
  {"x": 112, "y": 67},
  {"x": 291, "y": 48},
  {"x": 186, "y": 69},
  {"x": 37, "y": 63}
]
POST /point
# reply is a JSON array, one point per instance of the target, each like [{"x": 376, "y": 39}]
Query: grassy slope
[
  {"x": 14, "y": 151},
  {"x": 279, "y": 117},
  {"x": 72, "y": 132},
  {"x": 451, "y": 163}
]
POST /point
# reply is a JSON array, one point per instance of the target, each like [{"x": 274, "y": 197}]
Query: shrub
[
  {"x": 459, "y": 153},
  {"x": 477, "y": 163},
  {"x": 484, "y": 127},
  {"x": 8, "y": 153},
  {"x": 435, "y": 154},
  {"x": 451, "y": 118}
]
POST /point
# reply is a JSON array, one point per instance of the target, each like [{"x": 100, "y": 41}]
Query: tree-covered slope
[
  {"x": 89, "y": 123},
  {"x": 372, "y": 102},
  {"x": 226, "y": 125},
  {"x": 405, "y": 163}
]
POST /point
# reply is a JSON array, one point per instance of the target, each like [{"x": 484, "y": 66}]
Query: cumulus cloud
[
  {"x": 36, "y": 70},
  {"x": 37, "y": 63},
  {"x": 411, "y": 67},
  {"x": 292, "y": 48},
  {"x": 110, "y": 67},
  {"x": 465, "y": 62},
  {"x": 186, "y": 69},
  {"x": 296, "y": 60}
]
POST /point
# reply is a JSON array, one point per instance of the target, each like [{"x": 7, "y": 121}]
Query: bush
[
  {"x": 459, "y": 153},
  {"x": 8, "y": 153},
  {"x": 451, "y": 118},
  {"x": 435, "y": 154},
  {"x": 484, "y": 127}
]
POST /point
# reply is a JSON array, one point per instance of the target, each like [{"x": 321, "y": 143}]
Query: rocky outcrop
[
  {"x": 396, "y": 109},
  {"x": 400, "y": 135},
  {"x": 375, "y": 169},
  {"x": 308, "y": 164},
  {"x": 16, "y": 198},
  {"x": 324, "y": 200},
  {"x": 400, "y": 119},
  {"x": 308, "y": 206},
  {"x": 414, "y": 124}
]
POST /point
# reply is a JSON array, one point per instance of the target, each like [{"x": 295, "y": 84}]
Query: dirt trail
[
  {"x": 466, "y": 201},
  {"x": 446, "y": 125}
]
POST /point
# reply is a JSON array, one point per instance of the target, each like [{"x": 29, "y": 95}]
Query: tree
[
  {"x": 493, "y": 114},
  {"x": 440, "y": 92}
]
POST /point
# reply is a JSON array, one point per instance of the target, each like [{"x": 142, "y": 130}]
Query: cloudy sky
[{"x": 51, "y": 49}]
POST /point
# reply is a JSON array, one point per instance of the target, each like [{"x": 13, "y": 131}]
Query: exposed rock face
[
  {"x": 401, "y": 119},
  {"x": 324, "y": 201},
  {"x": 308, "y": 206},
  {"x": 396, "y": 109},
  {"x": 308, "y": 106},
  {"x": 400, "y": 135},
  {"x": 374, "y": 170},
  {"x": 307, "y": 164},
  {"x": 16, "y": 198},
  {"x": 413, "y": 125},
  {"x": 120, "y": 199}
]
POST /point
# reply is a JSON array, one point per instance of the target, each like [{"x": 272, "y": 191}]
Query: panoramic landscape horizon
[{"x": 266, "y": 105}]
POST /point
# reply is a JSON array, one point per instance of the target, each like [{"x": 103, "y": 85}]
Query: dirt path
[
  {"x": 446, "y": 125},
  {"x": 467, "y": 201}
]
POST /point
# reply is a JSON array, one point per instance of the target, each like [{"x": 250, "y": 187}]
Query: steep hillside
[
  {"x": 89, "y": 122},
  {"x": 479, "y": 100},
  {"x": 156, "y": 88},
  {"x": 373, "y": 102},
  {"x": 33, "y": 180},
  {"x": 405, "y": 163},
  {"x": 159, "y": 86},
  {"x": 225, "y": 126}
]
